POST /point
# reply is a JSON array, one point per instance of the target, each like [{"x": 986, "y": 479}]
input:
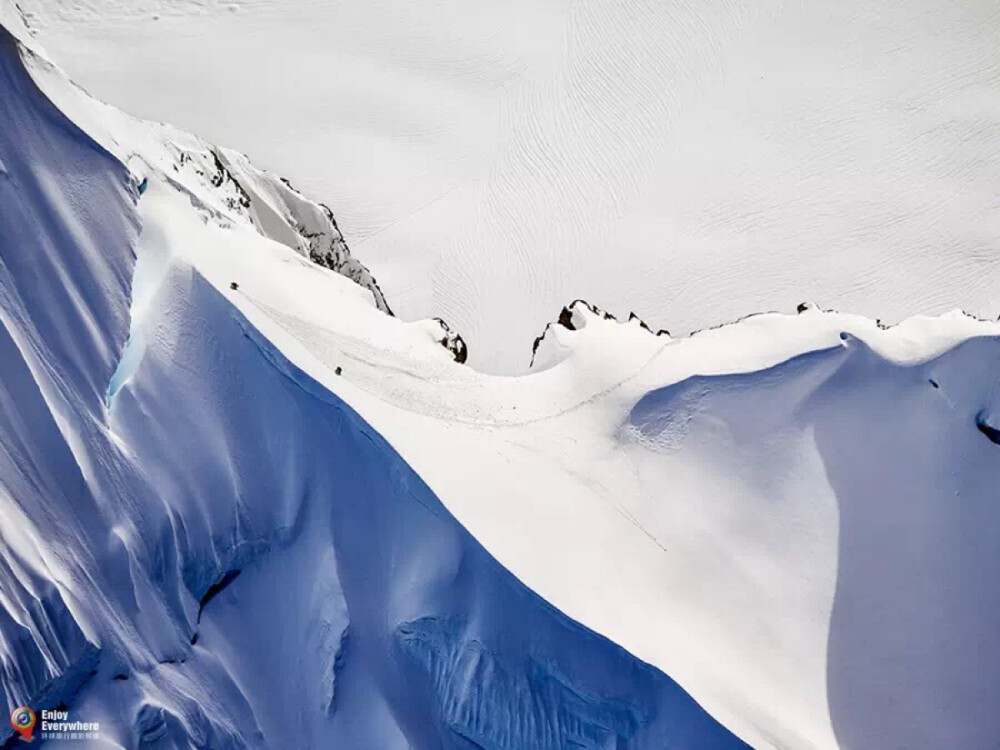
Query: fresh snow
[
  {"x": 217, "y": 551},
  {"x": 790, "y": 515},
  {"x": 689, "y": 161}
]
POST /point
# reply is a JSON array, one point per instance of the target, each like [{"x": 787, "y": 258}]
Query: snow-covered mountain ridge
[
  {"x": 276, "y": 500},
  {"x": 218, "y": 181},
  {"x": 192, "y": 578},
  {"x": 691, "y": 161},
  {"x": 239, "y": 192}
]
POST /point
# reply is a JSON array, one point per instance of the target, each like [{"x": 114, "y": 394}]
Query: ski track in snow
[
  {"x": 690, "y": 161},
  {"x": 719, "y": 505},
  {"x": 190, "y": 572}
]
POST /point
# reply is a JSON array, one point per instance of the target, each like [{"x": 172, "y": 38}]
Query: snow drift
[
  {"x": 691, "y": 161},
  {"x": 915, "y": 610},
  {"x": 216, "y": 543},
  {"x": 274, "y": 515}
]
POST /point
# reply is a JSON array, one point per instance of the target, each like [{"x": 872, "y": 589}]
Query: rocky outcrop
[
  {"x": 573, "y": 317},
  {"x": 280, "y": 212}
]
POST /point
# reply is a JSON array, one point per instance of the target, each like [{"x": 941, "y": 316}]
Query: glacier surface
[
  {"x": 217, "y": 551},
  {"x": 690, "y": 161},
  {"x": 243, "y": 506}
]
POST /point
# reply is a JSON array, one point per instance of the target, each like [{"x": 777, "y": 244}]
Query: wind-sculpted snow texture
[
  {"x": 62, "y": 324},
  {"x": 217, "y": 551},
  {"x": 241, "y": 506},
  {"x": 913, "y": 646},
  {"x": 689, "y": 160}
]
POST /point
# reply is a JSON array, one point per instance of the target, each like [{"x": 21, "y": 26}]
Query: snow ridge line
[
  {"x": 571, "y": 318},
  {"x": 276, "y": 209},
  {"x": 240, "y": 191}
]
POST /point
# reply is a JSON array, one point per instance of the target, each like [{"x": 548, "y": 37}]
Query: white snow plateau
[
  {"x": 252, "y": 495},
  {"x": 706, "y": 159}
]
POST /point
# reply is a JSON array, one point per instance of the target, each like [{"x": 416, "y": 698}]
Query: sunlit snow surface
[
  {"x": 688, "y": 160},
  {"x": 362, "y": 614},
  {"x": 283, "y": 518}
]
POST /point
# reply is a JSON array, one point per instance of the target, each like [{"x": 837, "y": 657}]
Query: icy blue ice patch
[{"x": 131, "y": 356}]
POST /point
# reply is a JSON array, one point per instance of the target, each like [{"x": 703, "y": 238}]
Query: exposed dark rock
[
  {"x": 982, "y": 424},
  {"x": 454, "y": 343},
  {"x": 223, "y": 175},
  {"x": 566, "y": 319},
  {"x": 642, "y": 323},
  {"x": 217, "y": 588}
]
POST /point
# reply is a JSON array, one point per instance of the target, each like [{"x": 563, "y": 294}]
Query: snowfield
[
  {"x": 235, "y": 490},
  {"x": 689, "y": 161},
  {"x": 202, "y": 546}
]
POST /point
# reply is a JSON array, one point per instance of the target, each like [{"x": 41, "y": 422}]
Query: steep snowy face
[
  {"x": 200, "y": 541},
  {"x": 236, "y": 490},
  {"x": 220, "y": 182},
  {"x": 752, "y": 534},
  {"x": 689, "y": 161},
  {"x": 61, "y": 328},
  {"x": 751, "y": 462}
]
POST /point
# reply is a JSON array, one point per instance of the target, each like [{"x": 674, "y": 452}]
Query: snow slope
[
  {"x": 690, "y": 161},
  {"x": 203, "y": 547},
  {"x": 790, "y": 516},
  {"x": 706, "y": 531}
]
